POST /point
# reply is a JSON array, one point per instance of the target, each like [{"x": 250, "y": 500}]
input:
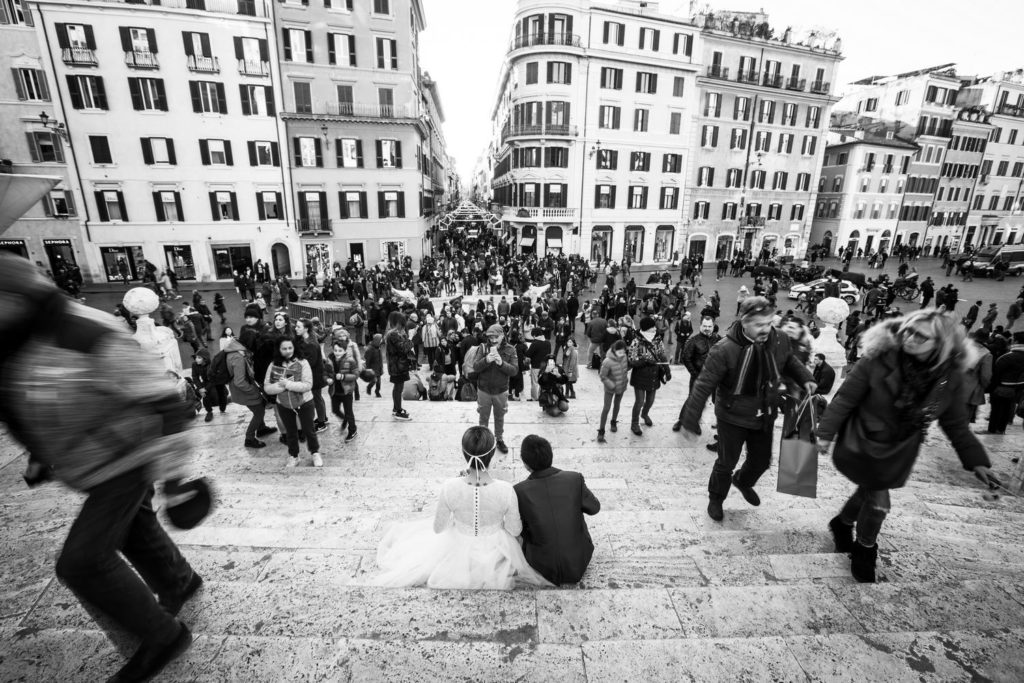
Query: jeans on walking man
[{"x": 494, "y": 364}]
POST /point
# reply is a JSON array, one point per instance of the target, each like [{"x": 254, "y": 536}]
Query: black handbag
[{"x": 874, "y": 464}]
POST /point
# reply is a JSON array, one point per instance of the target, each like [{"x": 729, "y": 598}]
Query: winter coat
[
  {"x": 344, "y": 370},
  {"x": 571, "y": 363},
  {"x": 297, "y": 391},
  {"x": 201, "y": 372},
  {"x": 244, "y": 390},
  {"x": 373, "y": 358},
  {"x": 398, "y": 347},
  {"x": 977, "y": 373},
  {"x": 645, "y": 358},
  {"x": 872, "y": 388},
  {"x": 430, "y": 334},
  {"x": 595, "y": 330},
  {"x": 314, "y": 355},
  {"x": 723, "y": 371},
  {"x": 492, "y": 378},
  {"x": 695, "y": 352},
  {"x": 614, "y": 373}
]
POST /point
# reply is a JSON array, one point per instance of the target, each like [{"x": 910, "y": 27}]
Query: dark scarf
[
  {"x": 759, "y": 374},
  {"x": 918, "y": 379}
]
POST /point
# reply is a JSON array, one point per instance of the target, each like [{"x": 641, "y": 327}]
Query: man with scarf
[{"x": 745, "y": 372}]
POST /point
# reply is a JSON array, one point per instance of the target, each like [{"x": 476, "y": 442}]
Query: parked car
[{"x": 848, "y": 291}]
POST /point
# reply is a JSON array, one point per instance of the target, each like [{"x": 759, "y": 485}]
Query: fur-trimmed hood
[{"x": 881, "y": 338}]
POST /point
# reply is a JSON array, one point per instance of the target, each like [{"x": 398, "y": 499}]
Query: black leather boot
[
  {"x": 842, "y": 533},
  {"x": 863, "y": 562}
]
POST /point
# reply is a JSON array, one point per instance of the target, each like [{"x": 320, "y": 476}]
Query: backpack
[
  {"x": 468, "y": 392},
  {"x": 220, "y": 373},
  {"x": 469, "y": 362}
]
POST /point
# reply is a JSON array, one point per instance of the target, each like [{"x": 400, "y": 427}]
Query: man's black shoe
[
  {"x": 173, "y": 603},
  {"x": 715, "y": 510},
  {"x": 501, "y": 446},
  {"x": 151, "y": 658},
  {"x": 265, "y": 431},
  {"x": 254, "y": 443},
  {"x": 677, "y": 426},
  {"x": 749, "y": 494},
  {"x": 713, "y": 447}
]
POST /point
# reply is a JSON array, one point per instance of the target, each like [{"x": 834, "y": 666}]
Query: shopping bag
[{"x": 798, "y": 460}]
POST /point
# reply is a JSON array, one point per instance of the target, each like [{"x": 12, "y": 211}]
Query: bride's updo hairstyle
[{"x": 478, "y": 447}]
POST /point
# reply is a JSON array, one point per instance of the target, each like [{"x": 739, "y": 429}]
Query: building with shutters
[
  {"x": 760, "y": 119},
  {"x": 172, "y": 112},
  {"x": 51, "y": 232},
  {"x": 591, "y": 130},
  {"x": 363, "y": 129}
]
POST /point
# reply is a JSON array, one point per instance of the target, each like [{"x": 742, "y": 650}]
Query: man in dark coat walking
[{"x": 552, "y": 502}]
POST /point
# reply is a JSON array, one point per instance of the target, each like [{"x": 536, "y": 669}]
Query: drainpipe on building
[{"x": 583, "y": 137}]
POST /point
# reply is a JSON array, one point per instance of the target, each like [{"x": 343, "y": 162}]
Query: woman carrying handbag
[{"x": 910, "y": 374}]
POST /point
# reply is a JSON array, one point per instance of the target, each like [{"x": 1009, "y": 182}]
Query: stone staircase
[{"x": 670, "y": 595}]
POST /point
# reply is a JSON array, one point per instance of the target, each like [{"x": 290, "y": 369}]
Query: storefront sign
[
  {"x": 57, "y": 242},
  {"x": 12, "y": 243}
]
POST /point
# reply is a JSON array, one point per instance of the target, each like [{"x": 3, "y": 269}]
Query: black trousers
[
  {"x": 1001, "y": 413},
  {"x": 216, "y": 395},
  {"x": 731, "y": 439}
]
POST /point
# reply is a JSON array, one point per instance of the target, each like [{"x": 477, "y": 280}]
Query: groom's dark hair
[{"x": 535, "y": 452}]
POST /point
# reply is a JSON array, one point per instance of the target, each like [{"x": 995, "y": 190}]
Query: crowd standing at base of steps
[{"x": 907, "y": 372}]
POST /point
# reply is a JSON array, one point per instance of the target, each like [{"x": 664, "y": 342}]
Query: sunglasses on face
[{"x": 918, "y": 336}]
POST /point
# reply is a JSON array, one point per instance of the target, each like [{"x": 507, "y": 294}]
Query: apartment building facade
[
  {"x": 51, "y": 232},
  {"x": 758, "y": 136},
  {"x": 860, "y": 192},
  {"x": 962, "y": 172},
  {"x": 363, "y": 128},
  {"x": 997, "y": 207},
  {"x": 592, "y": 129},
  {"x": 172, "y": 114}
]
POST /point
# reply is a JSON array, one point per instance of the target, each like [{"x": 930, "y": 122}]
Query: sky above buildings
[{"x": 467, "y": 40}]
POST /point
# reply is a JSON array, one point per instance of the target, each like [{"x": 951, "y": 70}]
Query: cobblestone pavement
[{"x": 670, "y": 595}]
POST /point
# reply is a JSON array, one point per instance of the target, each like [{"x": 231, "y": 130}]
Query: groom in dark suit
[{"x": 556, "y": 541}]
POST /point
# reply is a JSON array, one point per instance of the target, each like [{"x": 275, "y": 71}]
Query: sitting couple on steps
[{"x": 471, "y": 542}]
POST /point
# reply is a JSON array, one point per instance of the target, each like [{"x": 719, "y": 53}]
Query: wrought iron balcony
[
  {"x": 313, "y": 226},
  {"x": 771, "y": 81},
  {"x": 250, "y": 8},
  {"x": 536, "y": 129},
  {"x": 79, "y": 56},
  {"x": 820, "y": 87},
  {"x": 747, "y": 77},
  {"x": 799, "y": 84},
  {"x": 204, "y": 64},
  {"x": 253, "y": 67},
  {"x": 365, "y": 110},
  {"x": 527, "y": 212},
  {"x": 718, "y": 71},
  {"x": 138, "y": 59},
  {"x": 531, "y": 39}
]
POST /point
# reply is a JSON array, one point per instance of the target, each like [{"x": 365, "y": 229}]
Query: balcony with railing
[
  {"x": 747, "y": 77},
  {"x": 370, "y": 110},
  {"x": 200, "y": 64},
  {"x": 253, "y": 67},
  {"x": 313, "y": 226},
  {"x": 532, "y": 39},
  {"x": 510, "y": 130},
  {"x": 1011, "y": 110},
  {"x": 525, "y": 212},
  {"x": 79, "y": 56},
  {"x": 140, "y": 59},
  {"x": 772, "y": 81},
  {"x": 718, "y": 71},
  {"x": 249, "y": 8},
  {"x": 798, "y": 84},
  {"x": 820, "y": 87}
]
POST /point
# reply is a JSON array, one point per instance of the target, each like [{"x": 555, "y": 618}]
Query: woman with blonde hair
[{"x": 911, "y": 373}]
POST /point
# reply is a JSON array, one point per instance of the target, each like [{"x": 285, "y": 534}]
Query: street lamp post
[
  {"x": 594, "y": 149},
  {"x": 54, "y": 126}
]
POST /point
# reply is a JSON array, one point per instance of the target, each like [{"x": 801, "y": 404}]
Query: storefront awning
[
  {"x": 554, "y": 244},
  {"x": 526, "y": 242}
]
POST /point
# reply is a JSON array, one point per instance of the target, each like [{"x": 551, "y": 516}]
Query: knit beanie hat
[
  {"x": 495, "y": 329},
  {"x": 253, "y": 311}
]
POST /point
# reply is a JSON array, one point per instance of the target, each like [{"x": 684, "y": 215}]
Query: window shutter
[
  {"x": 151, "y": 39},
  {"x": 268, "y": 94},
  {"x": 363, "y": 210},
  {"x": 147, "y": 151},
  {"x": 101, "y": 93},
  {"x": 136, "y": 91},
  {"x": 382, "y": 210},
  {"x": 380, "y": 53},
  {"x": 622, "y": 34},
  {"x": 275, "y": 155},
  {"x": 331, "y": 57},
  {"x": 401, "y": 205},
  {"x": 286, "y": 40},
  {"x": 177, "y": 205},
  {"x": 303, "y": 208},
  {"x": 222, "y": 101},
  {"x": 234, "y": 207},
  {"x": 252, "y": 152},
  {"x": 551, "y": 71},
  {"x": 214, "y": 209},
  {"x": 239, "y": 52},
  {"x": 69, "y": 199},
  {"x": 90, "y": 37},
  {"x": 394, "y": 54},
  {"x": 264, "y": 50},
  {"x": 657, "y": 36},
  {"x": 62, "y": 35},
  {"x": 597, "y": 196},
  {"x": 227, "y": 153},
  {"x": 243, "y": 91},
  {"x": 261, "y": 211},
  {"x": 359, "y": 153},
  {"x": 297, "y": 151},
  {"x": 126, "y": 38},
  {"x": 44, "y": 87},
  {"x": 47, "y": 202},
  {"x": 714, "y": 136},
  {"x": 319, "y": 153},
  {"x": 197, "y": 101},
  {"x": 309, "y": 46},
  {"x": 120, "y": 203},
  {"x": 171, "y": 159},
  {"x": 33, "y": 147},
  {"x": 101, "y": 207},
  {"x": 186, "y": 38},
  {"x": 322, "y": 196},
  {"x": 204, "y": 152},
  {"x": 204, "y": 44},
  {"x": 343, "y": 204},
  {"x": 606, "y": 30},
  {"x": 380, "y": 155},
  {"x": 158, "y": 205},
  {"x": 338, "y": 157},
  {"x": 161, "y": 95},
  {"x": 327, "y": 4},
  {"x": 398, "y": 154}
]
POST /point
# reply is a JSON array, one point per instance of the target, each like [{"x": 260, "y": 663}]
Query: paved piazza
[{"x": 670, "y": 594}]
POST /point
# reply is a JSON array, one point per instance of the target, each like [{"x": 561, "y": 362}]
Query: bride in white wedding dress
[{"x": 471, "y": 542}]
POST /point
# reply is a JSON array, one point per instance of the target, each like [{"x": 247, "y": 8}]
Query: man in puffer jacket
[
  {"x": 494, "y": 363},
  {"x": 245, "y": 391},
  {"x": 100, "y": 415},
  {"x": 745, "y": 371}
]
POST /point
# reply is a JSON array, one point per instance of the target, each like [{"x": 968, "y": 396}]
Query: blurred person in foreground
[
  {"x": 910, "y": 374},
  {"x": 98, "y": 414}
]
